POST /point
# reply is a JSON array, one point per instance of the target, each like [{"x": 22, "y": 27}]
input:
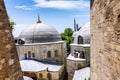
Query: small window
[
  {"x": 49, "y": 76},
  {"x": 21, "y": 42},
  {"x": 40, "y": 75},
  {"x": 56, "y": 53},
  {"x": 49, "y": 54},
  {"x": 33, "y": 54},
  {"x": 80, "y": 40},
  {"x": 29, "y": 54},
  {"x": 33, "y": 76},
  {"x": 82, "y": 55},
  {"x": 76, "y": 55},
  {"x": 15, "y": 40},
  {"x": 25, "y": 55},
  {"x": 79, "y": 66}
]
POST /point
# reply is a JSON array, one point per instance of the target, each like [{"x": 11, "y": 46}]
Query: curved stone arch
[
  {"x": 33, "y": 54},
  {"x": 29, "y": 54},
  {"x": 79, "y": 66},
  {"x": 56, "y": 53},
  {"x": 49, "y": 76},
  {"x": 80, "y": 39},
  {"x": 82, "y": 55},
  {"x": 49, "y": 55},
  {"x": 33, "y": 76},
  {"x": 40, "y": 75}
]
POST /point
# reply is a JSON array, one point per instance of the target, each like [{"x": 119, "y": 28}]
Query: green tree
[
  {"x": 88, "y": 78},
  {"x": 67, "y": 36},
  {"x": 12, "y": 24}
]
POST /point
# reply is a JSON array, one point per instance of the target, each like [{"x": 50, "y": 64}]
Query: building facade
[
  {"x": 42, "y": 70},
  {"x": 42, "y": 44},
  {"x": 105, "y": 39},
  {"x": 80, "y": 51}
]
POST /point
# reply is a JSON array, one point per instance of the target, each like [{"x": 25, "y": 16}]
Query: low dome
[
  {"x": 83, "y": 35},
  {"x": 39, "y": 33}
]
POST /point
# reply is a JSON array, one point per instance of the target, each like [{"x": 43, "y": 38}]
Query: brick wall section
[
  {"x": 9, "y": 64},
  {"x": 105, "y": 40}
]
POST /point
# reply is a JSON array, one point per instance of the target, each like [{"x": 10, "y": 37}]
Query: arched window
[
  {"x": 82, "y": 55},
  {"x": 16, "y": 40},
  {"x": 80, "y": 40},
  {"x": 33, "y": 76},
  {"x": 49, "y": 76},
  {"x": 20, "y": 41},
  {"x": 29, "y": 54},
  {"x": 25, "y": 56},
  {"x": 49, "y": 54},
  {"x": 79, "y": 66},
  {"x": 40, "y": 75},
  {"x": 33, "y": 54},
  {"x": 76, "y": 55},
  {"x": 56, "y": 53}
]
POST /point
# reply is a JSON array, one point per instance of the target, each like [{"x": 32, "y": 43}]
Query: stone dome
[
  {"x": 83, "y": 35},
  {"x": 39, "y": 33}
]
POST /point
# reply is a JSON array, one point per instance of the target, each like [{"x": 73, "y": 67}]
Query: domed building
[
  {"x": 80, "y": 51},
  {"x": 40, "y": 33},
  {"x": 41, "y": 52}
]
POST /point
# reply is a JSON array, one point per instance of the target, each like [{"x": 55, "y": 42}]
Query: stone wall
[
  {"x": 73, "y": 65},
  {"x": 85, "y": 49},
  {"x": 9, "y": 63},
  {"x": 105, "y": 40},
  {"x": 43, "y": 74},
  {"x": 41, "y": 51}
]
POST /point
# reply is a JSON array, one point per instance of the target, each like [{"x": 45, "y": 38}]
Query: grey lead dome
[
  {"x": 40, "y": 33},
  {"x": 84, "y": 33}
]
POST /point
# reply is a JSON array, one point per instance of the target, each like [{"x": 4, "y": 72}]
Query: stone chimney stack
[{"x": 9, "y": 63}]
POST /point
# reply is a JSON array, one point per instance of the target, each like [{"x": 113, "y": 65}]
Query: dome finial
[{"x": 38, "y": 19}]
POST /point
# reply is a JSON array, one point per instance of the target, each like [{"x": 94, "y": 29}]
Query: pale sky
[{"x": 57, "y": 13}]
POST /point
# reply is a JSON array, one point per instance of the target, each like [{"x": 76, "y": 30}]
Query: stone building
[
  {"x": 42, "y": 70},
  {"x": 80, "y": 51},
  {"x": 82, "y": 74},
  {"x": 41, "y": 44},
  {"x": 9, "y": 62},
  {"x": 105, "y": 39}
]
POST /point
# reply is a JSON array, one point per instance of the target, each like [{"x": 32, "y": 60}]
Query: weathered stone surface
[
  {"x": 105, "y": 40},
  {"x": 9, "y": 66},
  {"x": 72, "y": 66}
]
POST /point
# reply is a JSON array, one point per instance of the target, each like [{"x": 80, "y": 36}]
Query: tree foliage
[
  {"x": 67, "y": 36},
  {"x": 88, "y": 78},
  {"x": 12, "y": 24}
]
